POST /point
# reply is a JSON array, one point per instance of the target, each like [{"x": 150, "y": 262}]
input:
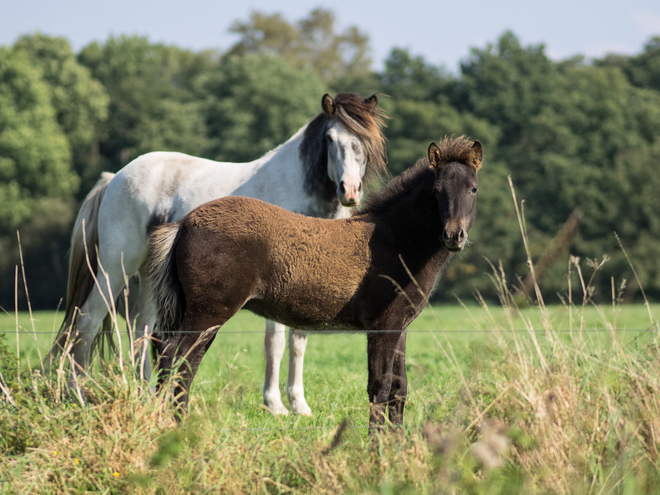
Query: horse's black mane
[{"x": 314, "y": 152}]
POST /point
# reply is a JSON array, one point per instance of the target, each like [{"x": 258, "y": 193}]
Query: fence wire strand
[{"x": 329, "y": 332}]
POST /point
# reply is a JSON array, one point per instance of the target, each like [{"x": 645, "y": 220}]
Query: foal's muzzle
[{"x": 455, "y": 240}]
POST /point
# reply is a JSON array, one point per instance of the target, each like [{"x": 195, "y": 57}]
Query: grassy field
[{"x": 492, "y": 408}]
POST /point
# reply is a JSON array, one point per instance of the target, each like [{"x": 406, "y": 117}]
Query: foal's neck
[
  {"x": 410, "y": 206},
  {"x": 412, "y": 215}
]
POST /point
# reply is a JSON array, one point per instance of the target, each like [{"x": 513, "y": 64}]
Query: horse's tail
[
  {"x": 83, "y": 262},
  {"x": 166, "y": 289}
]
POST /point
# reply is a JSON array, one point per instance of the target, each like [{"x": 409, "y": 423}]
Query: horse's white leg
[
  {"x": 144, "y": 325},
  {"x": 129, "y": 307},
  {"x": 88, "y": 324},
  {"x": 118, "y": 253},
  {"x": 274, "y": 343},
  {"x": 294, "y": 387}
]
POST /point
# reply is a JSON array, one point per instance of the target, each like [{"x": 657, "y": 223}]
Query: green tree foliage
[
  {"x": 572, "y": 134},
  {"x": 80, "y": 101},
  {"x": 310, "y": 43},
  {"x": 152, "y": 101},
  {"x": 421, "y": 109},
  {"x": 37, "y": 182},
  {"x": 34, "y": 152},
  {"x": 507, "y": 84},
  {"x": 566, "y": 128},
  {"x": 642, "y": 70},
  {"x": 255, "y": 102}
]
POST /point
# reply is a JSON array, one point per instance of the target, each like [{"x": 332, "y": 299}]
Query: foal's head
[
  {"x": 354, "y": 142},
  {"x": 456, "y": 162}
]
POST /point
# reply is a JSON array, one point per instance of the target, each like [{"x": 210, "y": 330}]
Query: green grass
[
  {"x": 231, "y": 374},
  {"x": 335, "y": 364},
  {"x": 463, "y": 368}
]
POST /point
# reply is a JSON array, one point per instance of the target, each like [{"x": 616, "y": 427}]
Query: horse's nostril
[
  {"x": 342, "y": 189},
  {"x": 461, "y": 235},
  {"x": 360, "y": 187}
]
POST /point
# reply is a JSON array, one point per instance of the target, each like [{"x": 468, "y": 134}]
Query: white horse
[{"x": 317, "y": 172}]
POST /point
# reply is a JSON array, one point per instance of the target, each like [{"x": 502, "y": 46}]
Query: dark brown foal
[{"x": 372, "y": 272}]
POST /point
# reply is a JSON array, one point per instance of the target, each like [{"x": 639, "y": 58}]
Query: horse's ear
[
  {"x": 477, "y": 154},
  {"x": 372, "y": 101},
  {"x": 434, "y": 155},
  {"x": 328, "y": 105}
]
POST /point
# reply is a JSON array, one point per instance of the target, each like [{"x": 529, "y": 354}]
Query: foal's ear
[
  {"x": 477, "y": 154},
  {"x": 328, "y": 105},
  {"x": 434, "y": 155},
  {"x": 372, "y": 101}
]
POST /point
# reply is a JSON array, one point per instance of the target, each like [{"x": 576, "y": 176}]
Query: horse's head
[
  {"x": 347, "y": 157},
  {"x": 455, "y": 188}
]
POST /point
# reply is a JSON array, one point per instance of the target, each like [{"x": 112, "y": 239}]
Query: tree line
[{"x": 576, "y": 136}]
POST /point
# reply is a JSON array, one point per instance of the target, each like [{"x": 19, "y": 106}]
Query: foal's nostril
[{"x": 457, "y": 237}]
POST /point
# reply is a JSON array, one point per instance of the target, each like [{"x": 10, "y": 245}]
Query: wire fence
[
  {"x": 351, "y": 331},
  {"x": 333, "y": 331}
]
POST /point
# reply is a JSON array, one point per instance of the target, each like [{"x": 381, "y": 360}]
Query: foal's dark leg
[
  {"x": 183, "y": 353},
  {"x": 380, "y": 352},
  {"x": 168, "y": 346},
  {"x": 399, "y": 388}
]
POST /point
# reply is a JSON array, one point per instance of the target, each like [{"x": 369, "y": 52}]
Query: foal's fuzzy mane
[
  {"x": 457, "y": 149},
  {"x": 451, "y": 150}
]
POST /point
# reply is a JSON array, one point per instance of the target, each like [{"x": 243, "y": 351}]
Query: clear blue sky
[{"x": 441, "y": 31}]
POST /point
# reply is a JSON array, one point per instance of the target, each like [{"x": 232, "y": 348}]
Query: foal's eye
[{"x": 474, "y": 190}]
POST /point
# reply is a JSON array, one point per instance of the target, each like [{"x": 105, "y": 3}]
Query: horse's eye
[
  {"x": 329, "y": 138},
  {"x": 474, "y": 190}
]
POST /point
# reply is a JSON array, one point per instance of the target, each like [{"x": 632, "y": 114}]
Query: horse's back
[
  {"x": 179, "y": 182},
  {"x": 161, "y": 187}
]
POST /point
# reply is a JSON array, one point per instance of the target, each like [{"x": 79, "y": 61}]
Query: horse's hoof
[
  {"x": 301, "y": 410},
  {"x": 277, "y": 410}
]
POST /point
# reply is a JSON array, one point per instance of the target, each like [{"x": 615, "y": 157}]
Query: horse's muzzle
[{"x": 349, "y": 194}]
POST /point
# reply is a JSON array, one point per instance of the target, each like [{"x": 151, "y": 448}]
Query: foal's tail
[
  {"x": 83, "y": 261},
  {"x": 167, "y": 292}
]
